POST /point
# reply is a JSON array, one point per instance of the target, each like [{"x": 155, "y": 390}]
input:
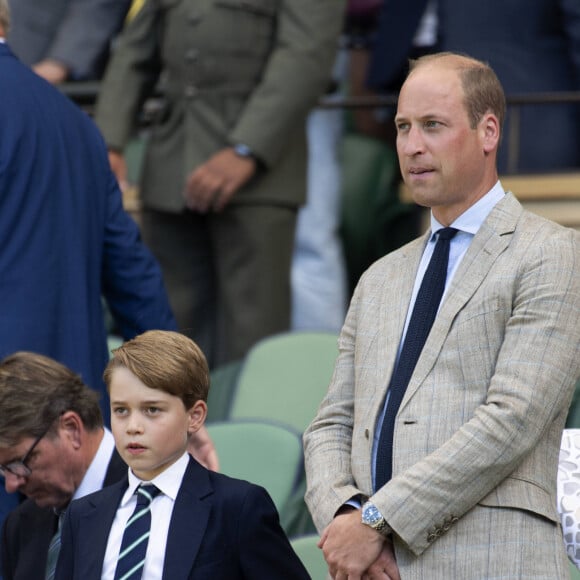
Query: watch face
[
  {"x": 243, "y": 150},
  {"x": 372, "y": 515}
]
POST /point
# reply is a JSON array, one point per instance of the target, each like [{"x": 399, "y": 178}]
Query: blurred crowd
[{"x": 246, "y": 102}]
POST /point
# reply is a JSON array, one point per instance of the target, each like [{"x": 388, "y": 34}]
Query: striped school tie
[
  {"x": 53, "y": 550},
  {"x": 136, "y": 536}
]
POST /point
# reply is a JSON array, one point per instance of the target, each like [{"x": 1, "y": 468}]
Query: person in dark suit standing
[
  {"x": 65, "y": 39},
  {"x": 225, "y": 163},
  {"x": 533, "y": 48},
  {"x": 53, "y": 447},
  {"x": 65, "y": 238},
  {"x": 203, "y": 524}
]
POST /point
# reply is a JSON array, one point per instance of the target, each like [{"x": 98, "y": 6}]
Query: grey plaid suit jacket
[{"x": 473, "y": 493}]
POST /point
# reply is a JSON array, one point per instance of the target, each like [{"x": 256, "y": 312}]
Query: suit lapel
[
  {"x": 40, "y": 525},
  {"x": 188, "y": 522},
  {"x": 490, "y": 241},
  {"x": 97, "y": 523}
]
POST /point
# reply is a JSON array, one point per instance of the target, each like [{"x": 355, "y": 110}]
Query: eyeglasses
[{"x": 19, "y": 467}]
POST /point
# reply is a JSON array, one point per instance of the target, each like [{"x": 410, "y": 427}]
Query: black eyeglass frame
[{"x": 19, "y": 466}]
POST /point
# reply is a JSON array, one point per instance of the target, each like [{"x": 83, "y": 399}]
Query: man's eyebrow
[{"x": 15, "y": 458}]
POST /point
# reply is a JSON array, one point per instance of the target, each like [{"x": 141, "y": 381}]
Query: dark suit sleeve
[
  {"x": 26, "y": 534},
  {"x": 85, "y": 33},
  {"x": 265, "y": 551},
  {"x": 7, "y": 549}
]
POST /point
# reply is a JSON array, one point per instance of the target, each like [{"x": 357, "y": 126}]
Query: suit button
[
  {"x": 366, "y": 433},
  {"x": 192, "y": 55},
  {"x": 190, "y": 92},
  {"x": 193, "y": 17},
  {"x": 431, "y": 537}
]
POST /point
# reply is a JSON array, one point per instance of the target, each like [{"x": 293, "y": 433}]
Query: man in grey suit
[
  {"x": 225, "y": 163},
  {"x": 65, "y": 39},
  {"x": 475, "y": 440}
]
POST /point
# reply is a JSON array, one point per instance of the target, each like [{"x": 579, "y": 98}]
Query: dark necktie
[
  {"x": 136, "y": 536},
  {"x": 422, "y": 317},
  {"x": 53, "y": 550}
]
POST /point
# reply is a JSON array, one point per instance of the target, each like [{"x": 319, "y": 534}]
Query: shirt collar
[
  {"x": 471, "y": 219},
  {"x": 94, "y": 478}
]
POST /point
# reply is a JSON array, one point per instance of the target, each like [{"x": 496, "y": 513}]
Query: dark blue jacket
[
  {"x": 65, "y": 240},
  {"x": 221, "y": 528}
]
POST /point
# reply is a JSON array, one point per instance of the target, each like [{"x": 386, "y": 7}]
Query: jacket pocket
[
  {"x": 523, "y": 494},
  {"x": 261, "y": 7},
  {"x": 168, "y": 3}
]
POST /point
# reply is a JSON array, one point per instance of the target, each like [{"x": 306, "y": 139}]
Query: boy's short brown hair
[{"x": 164, "y": 360}]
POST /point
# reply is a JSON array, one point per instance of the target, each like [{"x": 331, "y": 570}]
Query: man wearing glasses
[{"x": 53, "y": 448}]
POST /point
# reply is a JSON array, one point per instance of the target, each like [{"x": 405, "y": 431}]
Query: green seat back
[
  {"x": 285, "y": 377},
  {"x": 311, "y": 556},
  {"x": 267, "y": 454}
]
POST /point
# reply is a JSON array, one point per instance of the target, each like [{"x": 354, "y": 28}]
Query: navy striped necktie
[
  {"x": 54, "y": 549},
  {"x": 422, "y": 317},
  {"x": 136, "y": 536}
]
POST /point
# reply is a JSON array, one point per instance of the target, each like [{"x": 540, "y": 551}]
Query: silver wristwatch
[{"x": 371, "y": 516}]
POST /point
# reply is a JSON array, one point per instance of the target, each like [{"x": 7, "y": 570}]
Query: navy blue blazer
[
  {"x": 65, "y": 240},
  {"x": 221, "y": 528}
]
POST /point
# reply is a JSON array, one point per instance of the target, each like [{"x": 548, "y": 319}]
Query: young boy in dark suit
[{"x": 203, "y": 524}]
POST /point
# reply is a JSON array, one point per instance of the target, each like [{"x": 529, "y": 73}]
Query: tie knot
[
  {"x": 446, "y": 233},
  {"x": 146, "y": 494}
]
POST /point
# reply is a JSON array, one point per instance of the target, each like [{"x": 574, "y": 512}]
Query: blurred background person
[
  {"x": 224, "y": 170},
  {"x": 319, "y": 276},
  {"x": 65, "y": 39},
  {"x": 533, "y": 47},
  {"x": 66, "y": 240}
]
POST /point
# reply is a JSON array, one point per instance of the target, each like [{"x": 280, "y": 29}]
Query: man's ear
[
  {"x": 490, "y": 132},
  {"x": 197, "y": 415},
  {"x": 70, "y": 427}
]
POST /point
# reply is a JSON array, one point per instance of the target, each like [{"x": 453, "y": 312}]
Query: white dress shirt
[
  {"x": 94, "y": 478},
  {"x": 169, "y": 483}
]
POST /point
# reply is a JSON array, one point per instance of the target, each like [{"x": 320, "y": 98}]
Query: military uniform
[{"x": 232, "y": 72}]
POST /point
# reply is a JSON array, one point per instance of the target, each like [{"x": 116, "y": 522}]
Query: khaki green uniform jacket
[{"x": 232, "y": 71}]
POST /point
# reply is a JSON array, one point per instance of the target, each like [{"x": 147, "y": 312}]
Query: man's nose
[
  {"x": 413, "y": 142},
  {"x": 12, "y": 482}
]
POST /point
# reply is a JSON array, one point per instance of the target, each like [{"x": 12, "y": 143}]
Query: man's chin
[{"x": 48, "y": 501}]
